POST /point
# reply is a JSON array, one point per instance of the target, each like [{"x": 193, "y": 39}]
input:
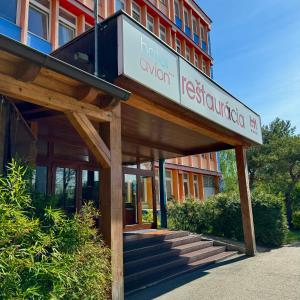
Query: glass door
[{"x": 130, "y": 199}]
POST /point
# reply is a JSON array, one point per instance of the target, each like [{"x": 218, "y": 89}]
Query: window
[
  {"x": 186, "y": 18},
  {"x": 211, "y": 156},
  {"x": 39, "y": 179},
  {"x": 203, "y": 156},
  {"x": 65, "y": 188},
  {"x": 196, "y": 60},
  {"x": 177, "y": 9},
  {"x": 195, "y": 26},
  {"x": 209, "y": 185},
  {"x": 178, "y": 46},
  {"x": 136, "y": 12},
  {"x": 202, "y": 33},
  {"x": 120, "y": 5},
  {"x": 188, "y": 53},
  {"x": 8, "y": 10},
  {"x": 162, "y": 33},
  {"x": 90, "y": 187},
  {"x": 169, "y": 184},
  {"x": 150, "y": 23},
  {"x": 203, "y": 66},
  {"x": 66, "y": 27},
  {"x": 186, "y": 185},
  {"x": 163, "y": 2},
  {"x": 38, "y": 19},
  {"x": 196, "y": 186}
]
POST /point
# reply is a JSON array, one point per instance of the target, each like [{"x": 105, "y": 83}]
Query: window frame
[
  {"x": 196, "y": 185},
  {"x": 18, "y": 14},
  {"x": 196, "y": 59},
  {"x": 186, "y": 22},
  {"x": 188, "y": 53},
  {"x": 178, "y": 44},
  {"x": 67, "y": 23},
  {"x": 187, "y": 181},
  {"x": 161, "y": 26},
  {"x": 134, "y": 4},
  {"x": 177, "y": 4},
  {"x": 195, "y": 21},
  {"x": 148, "y": 18},
  {"x": 44, "y": 10}
]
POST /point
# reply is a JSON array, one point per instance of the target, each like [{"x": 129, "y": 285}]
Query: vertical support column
[
  {"x": 163, "y": 194},
  {"x": 80, "y": 24},
  {"x": 54, "y": 23},
  {"x": 156, "y": 25},
  {"x": 144, "y": 15},
  {"x": 171, "y": 10},
  {"x": 175, "y": 184},
  {"x": 111, "y": 202},
  {"x": 246, "y": 207},
  {"x": 201, "y": 187},
  {"x": 24, "y": 10}
]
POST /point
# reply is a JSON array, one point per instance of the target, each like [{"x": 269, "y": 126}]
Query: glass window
[
  {"x": 130, "y": 199},
  {"x": 196, "y": 60},
  {"x": 196, "y": 186},
  {"x": 136, "y": 12},
  {"x": 169, "y": 185},
  {"x": 204, "y": 66},
  {"x": 67, "y": 27},
  {"x": 90, "y": 187},
  {"x": 39, "y": 179},
  {"x": 147, "y": 199},
  {"x": 120, "y": 5},
  {"x": 66, "y": 33},
  {"x": 202, "y": 33},
  {"x": 186, "y": 18},
  {"x": 8, "y": 10},
  {"x": 177, "y": 9},
  {"x": 65, "y": 188},
  {"x": 162, "y": 33},
  {"x": 38, "y": 22},
  {"x": 178, "y": 46},
  {"x": 186, "y": 185},
  {"x": 150, "y": 23},
  {"x": 188, "y": 53},
  {"x": 209, "y": 185},
  {"x": 195, "y": 25}
]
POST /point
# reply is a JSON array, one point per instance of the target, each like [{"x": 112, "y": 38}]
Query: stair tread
[
  {"x": 165, "y": 242},
  {"x": 176, "y": 271},
  {"x": 141, "y": 237},
  {"x": 159, "y": 263},
  {"x": 172, "y": 251}
]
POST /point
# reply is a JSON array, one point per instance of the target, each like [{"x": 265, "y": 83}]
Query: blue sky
[{"x": 256, "y": 51}]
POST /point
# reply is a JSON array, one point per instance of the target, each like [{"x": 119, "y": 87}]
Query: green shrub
[
  {"x": 221, "y": 215},
  {"x": 191, "y": 215},
  {"x": 47, "y": 255},
  {"x": 296, "y": 219}
]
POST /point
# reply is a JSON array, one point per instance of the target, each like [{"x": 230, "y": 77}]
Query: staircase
[{"x": 152, "y": 258}]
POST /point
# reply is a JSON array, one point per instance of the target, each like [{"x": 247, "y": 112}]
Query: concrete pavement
[{"x": 270, "y": 275}]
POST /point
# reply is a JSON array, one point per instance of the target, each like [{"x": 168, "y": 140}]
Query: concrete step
[
  {"x": 156, "y": 278},
  {"x": 164, "y": 264},
  {"x": 162, "y": 253},
  {"x": 158, "y": 246},
  {"x": 135, "y": 241}
]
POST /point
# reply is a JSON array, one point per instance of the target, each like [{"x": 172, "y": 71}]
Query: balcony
[
  {"x": 10, "y": 29},
  {"x": 38, "y": 43},
  {"x": 187, "y": 31},
  {"x": 204, "y": 46},
  {"x": 178, "y": 22},
  {"x": 196, "y": 38}
]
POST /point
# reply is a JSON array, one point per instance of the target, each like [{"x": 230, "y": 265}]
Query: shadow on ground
[{"x": 169, "y": 285}]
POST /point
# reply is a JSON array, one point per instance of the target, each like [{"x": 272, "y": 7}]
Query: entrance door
[{"x": 139, "y": 197}]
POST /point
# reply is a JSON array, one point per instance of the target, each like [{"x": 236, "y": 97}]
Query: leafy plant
[
  {"x": 44, "y": 254},
  {"x": 296, "y": 219}
]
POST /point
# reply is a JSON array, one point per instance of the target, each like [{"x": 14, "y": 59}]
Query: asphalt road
[{"x": 274, "y": 274}]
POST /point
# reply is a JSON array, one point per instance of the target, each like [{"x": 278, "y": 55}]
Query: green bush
[
  {"x": 44, "y": 254},
  {"x": 191, "y": 215},
  {"x": 296, "y": 219},
  {"x": 221, "y": 215}
]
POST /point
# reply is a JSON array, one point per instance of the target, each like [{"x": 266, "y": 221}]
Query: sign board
[{"x": 148, "y": 61}]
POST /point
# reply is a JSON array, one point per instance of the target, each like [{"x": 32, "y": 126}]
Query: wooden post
[
  {"x": 163, "y": 193},
  {"x": 247, "y": 216},
  {"x": 111, "y": 201},
  {"x": 24, "y": 11},
  {"x": 54, "y": 24}
]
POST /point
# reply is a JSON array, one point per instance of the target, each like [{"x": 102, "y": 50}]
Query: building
[
  {"x": 46, "y": 25},
  {"x": 153, "y": 106}
]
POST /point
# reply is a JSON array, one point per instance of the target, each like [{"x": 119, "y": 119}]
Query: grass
[{"x": 293, "y": 236}]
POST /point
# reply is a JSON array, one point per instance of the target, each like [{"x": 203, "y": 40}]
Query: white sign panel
[
  {"x": 206, "y": 98},
  {"x": 149, "y": 62}
]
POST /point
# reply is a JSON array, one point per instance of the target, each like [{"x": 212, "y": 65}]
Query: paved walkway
[{"x": 270, "y": 275}]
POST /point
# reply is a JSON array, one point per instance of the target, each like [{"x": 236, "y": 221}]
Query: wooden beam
[
  {"x": 32, "y": 93},
  {"x": 54, "y": 23},
  {"x": 246, "y": 207},
  {"x": 155, "y": 109},
  {"x": 28, "y": 72},
  {"x": 111, "y": 201},
  {"x": 87, "y": 94},
  {"x": 91, "y": 137},
  {"x": 24, "y": 12},
  {"x": 107, "y": 102}
]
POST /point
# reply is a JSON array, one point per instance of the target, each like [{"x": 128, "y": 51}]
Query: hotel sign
[{"x": 146, "y": 60}]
